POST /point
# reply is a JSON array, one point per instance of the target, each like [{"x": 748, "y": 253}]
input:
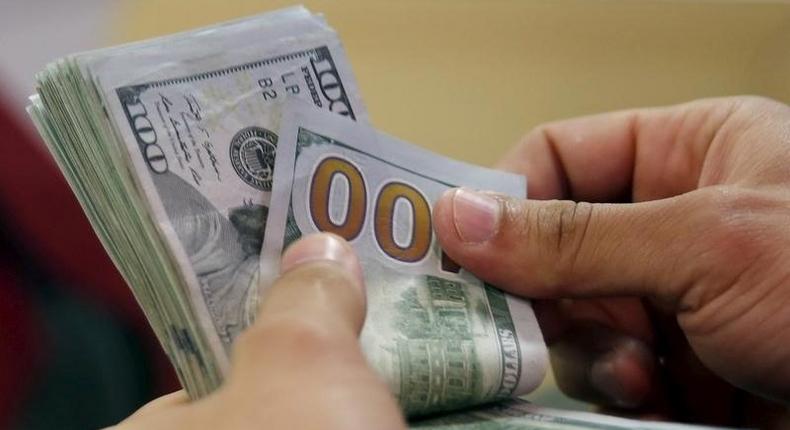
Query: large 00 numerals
[{"x": 356, "y": 208}]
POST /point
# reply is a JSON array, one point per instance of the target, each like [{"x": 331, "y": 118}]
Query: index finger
[{"x": 632, "y": 155}]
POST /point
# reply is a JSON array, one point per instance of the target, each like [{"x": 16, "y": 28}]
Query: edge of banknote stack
[{"x": 70, "y": 112}]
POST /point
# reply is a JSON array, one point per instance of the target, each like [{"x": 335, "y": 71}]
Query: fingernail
[
  {"x": 604, "y": 377},
  {"x": 476, "y": 215},
  {"x": 322, "y": 247}
]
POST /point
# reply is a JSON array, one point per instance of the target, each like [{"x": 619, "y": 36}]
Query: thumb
[
  {"x": 552, "y": 249},
  {"x": 303, "y": 349},
  {"x": 316, "y": 306}
]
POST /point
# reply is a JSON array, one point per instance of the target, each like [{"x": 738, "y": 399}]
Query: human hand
[
  {"x": 300, "y": 365},
  {"x": 670, "y": 252}
]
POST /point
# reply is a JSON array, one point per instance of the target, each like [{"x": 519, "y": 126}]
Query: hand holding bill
[{"x": 700, "y": 250}]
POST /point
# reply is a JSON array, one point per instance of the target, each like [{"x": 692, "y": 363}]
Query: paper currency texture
[
  {"x": 442, "y": 338},
  {"x": 169, "y": 146}
]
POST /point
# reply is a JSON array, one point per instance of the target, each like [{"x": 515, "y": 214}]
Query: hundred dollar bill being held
[
  {"x": 198, "y": 157},
  {"x": 169, "y": 146},
  {"x": 441, "y": 338},
  {"x": 518, "y": 414}
]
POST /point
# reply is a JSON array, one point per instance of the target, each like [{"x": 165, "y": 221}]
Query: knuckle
[
  {"x": 305, "y": 314},
  {"x": 319, "y": 276},
  {"x": 747, "y": 112},
  {"x": 755, "y": 100},
  {"x": 537, "y": 135},
  {"x": 740, "y": 236},
  {"x": 294, "y": 336},
  {"x": 732, "y": 224},
  {"x": 560, "y": 228},
  {"x": 540, "y": 136}
]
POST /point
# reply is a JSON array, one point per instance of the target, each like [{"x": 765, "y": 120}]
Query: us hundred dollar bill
[
  {"x": 518, "y": 414},
  {"x": 441, "y": 338},
  {"x": 169, "y": 145},
  {"x": 202, "y": 141}
]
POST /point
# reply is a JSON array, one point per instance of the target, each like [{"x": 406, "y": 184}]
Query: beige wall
[{"x": 467, "y": 78}]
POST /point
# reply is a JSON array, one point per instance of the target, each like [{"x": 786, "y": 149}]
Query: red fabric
[
  {"x": 18, "y": 352},
  {"x": 47, "y": 220}
]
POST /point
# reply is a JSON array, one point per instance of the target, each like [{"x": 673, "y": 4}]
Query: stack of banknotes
[{"x": 171, "y": 144}]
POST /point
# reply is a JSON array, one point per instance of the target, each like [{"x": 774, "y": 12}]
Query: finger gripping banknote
[{"x": 442, "y": 338}]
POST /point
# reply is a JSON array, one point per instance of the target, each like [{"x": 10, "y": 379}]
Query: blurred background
[{"x": 461, "y": 77}]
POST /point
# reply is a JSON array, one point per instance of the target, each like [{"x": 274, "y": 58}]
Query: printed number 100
[{"x": 356, "y": 210}]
